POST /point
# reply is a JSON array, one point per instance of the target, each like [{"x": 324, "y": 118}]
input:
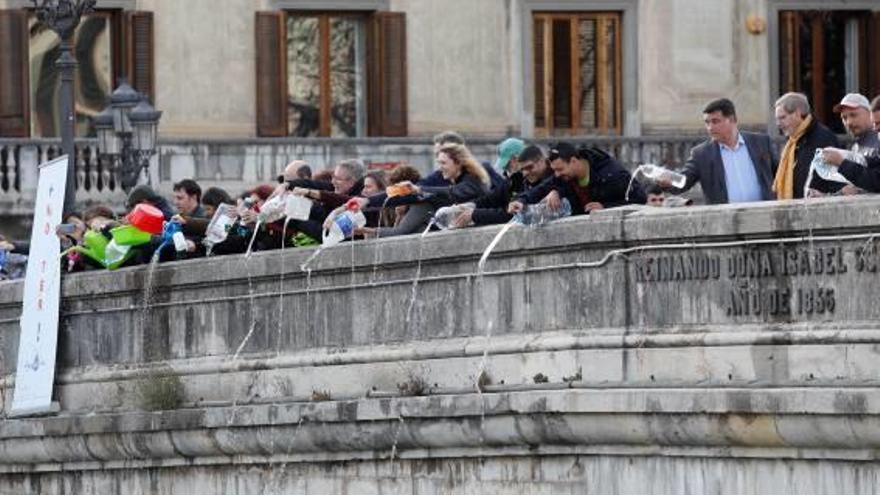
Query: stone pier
[{"x": 711, "y": 350}]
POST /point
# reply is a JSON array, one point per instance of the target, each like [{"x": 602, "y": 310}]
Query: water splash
[{"x": 415, "y": 284}]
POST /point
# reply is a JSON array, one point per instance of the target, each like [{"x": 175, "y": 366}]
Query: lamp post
[
  {"x": 127, "y": 133},
  {"x": 63, "y": 16}
]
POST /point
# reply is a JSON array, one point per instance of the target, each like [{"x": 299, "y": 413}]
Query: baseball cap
[
  {"x": 853, "y": 100},
  {"x": 508, "y": 149},
  {"x": 561, "y": 150}
]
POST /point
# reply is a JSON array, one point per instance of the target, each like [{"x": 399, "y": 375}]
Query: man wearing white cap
[{"x": 855, "y": 112}]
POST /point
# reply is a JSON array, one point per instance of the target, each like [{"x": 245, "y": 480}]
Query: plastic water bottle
[
  {"x": 3, "y": 259},
  {"x": 540, "y": 213},
  {"x": 656, "y": 172},
  {"x": 218, "y": 228},
  {"x": 445, "y": 217},
  {"x": 344, "y": 225},
  {"x": 173, "y": 234},
  {"x": 272, "y": 210},
  {"x": 826, "y": 171},
  {"x": 297, "y": 207}
]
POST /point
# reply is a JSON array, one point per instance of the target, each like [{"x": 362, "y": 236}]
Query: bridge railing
[{"x": 239, "y": 164}]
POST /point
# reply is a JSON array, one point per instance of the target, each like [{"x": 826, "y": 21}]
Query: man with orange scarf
[{"x": 805, "y": 135}]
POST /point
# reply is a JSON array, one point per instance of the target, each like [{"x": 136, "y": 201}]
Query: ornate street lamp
[
  {"x": 128, "y": 133},
  {"x": 63, "y": 16}
]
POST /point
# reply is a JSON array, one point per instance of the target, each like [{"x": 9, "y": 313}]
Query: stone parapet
[{"x": 727, "y": 333}]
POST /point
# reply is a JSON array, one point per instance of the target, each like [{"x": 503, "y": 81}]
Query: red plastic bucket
[{"x": 147, "y": 218}]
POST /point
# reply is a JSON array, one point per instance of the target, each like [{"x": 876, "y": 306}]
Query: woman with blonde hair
[{"x": 468, "y": 182}]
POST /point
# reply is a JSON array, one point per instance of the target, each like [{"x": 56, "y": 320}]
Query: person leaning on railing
[
  {"x": 866, "y": 176},
  {"x": 589, "y": 178}
]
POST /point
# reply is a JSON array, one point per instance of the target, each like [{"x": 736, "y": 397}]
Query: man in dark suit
[{"x": 732, "y": 166}]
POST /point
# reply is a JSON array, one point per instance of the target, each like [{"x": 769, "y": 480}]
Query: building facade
[{"x": 365, "y": 68}]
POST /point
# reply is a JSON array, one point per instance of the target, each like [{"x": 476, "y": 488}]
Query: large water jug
[
  {"x": 298, "y": 207},
  {"x": 344, "y": 224}
]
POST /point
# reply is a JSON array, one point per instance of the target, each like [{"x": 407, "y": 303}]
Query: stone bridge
[{"x": 710, "y": 350}]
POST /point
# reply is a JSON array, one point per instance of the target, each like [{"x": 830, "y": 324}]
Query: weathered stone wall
[{"x": 712, "y": 350}]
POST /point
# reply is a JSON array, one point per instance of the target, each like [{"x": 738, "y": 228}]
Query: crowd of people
[{"x": 731, "y": 166}]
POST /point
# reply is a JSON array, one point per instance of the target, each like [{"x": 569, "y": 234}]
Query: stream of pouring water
[
  {"x": 481, "y": 294},
  {"x": 148, "y": 289},
  {"x": 306, "y": 267},
  {"x": 481, "y": 268},
  {"x": 632, "y": 178},
  {"x": 281, "y": 287},
  {"x": 251, "y": 295},
  {"x": 415, "y": 284}
]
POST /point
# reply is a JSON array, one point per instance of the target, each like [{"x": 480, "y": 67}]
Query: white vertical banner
[{"x": 37, "y": 342}]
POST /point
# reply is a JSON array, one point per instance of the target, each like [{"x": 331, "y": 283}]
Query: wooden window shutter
[
  {"x": 540, "y": 69},
  {"x": 873, "y": 62},
  {"x": 271, "y": 74},
  {"x": 14, "y": 90},
  {"x": 140, "y": 53},
  {"x": 387, "y": 75}
]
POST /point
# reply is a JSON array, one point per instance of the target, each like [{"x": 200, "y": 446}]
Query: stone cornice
[{"x": 840, "y": 423}]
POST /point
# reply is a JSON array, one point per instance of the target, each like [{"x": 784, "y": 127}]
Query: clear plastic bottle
[
  {"x": 218, "y": 228},
  {"x": 540, "y": 213},
  {"x": 656, "y": 172},
  {"x": 445, "y": 217},
  {"x": 344, "y": 224},
  {"x": 3, "y": 258},
  {"x": 826, "y": 171},
  {"x": 272, "y": 210}
]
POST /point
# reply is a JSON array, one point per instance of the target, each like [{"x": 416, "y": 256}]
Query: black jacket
[
  {"x": 608, "y": 184},
  {"x": 467, "y": 188},
  {"x": 492, "y": 208},
  {"x": 865, "y": 177},
  {"x": 704, "y": 165},
  {"x": 817, "y": 136}
]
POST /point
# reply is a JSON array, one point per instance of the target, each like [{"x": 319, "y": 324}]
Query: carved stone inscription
[{"x": 762, "y": 281}]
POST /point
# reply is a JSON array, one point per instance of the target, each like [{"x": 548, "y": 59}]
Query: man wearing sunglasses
[
  {"x": 588, "y": 177},
  {"x": 523, "y": 172}
]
